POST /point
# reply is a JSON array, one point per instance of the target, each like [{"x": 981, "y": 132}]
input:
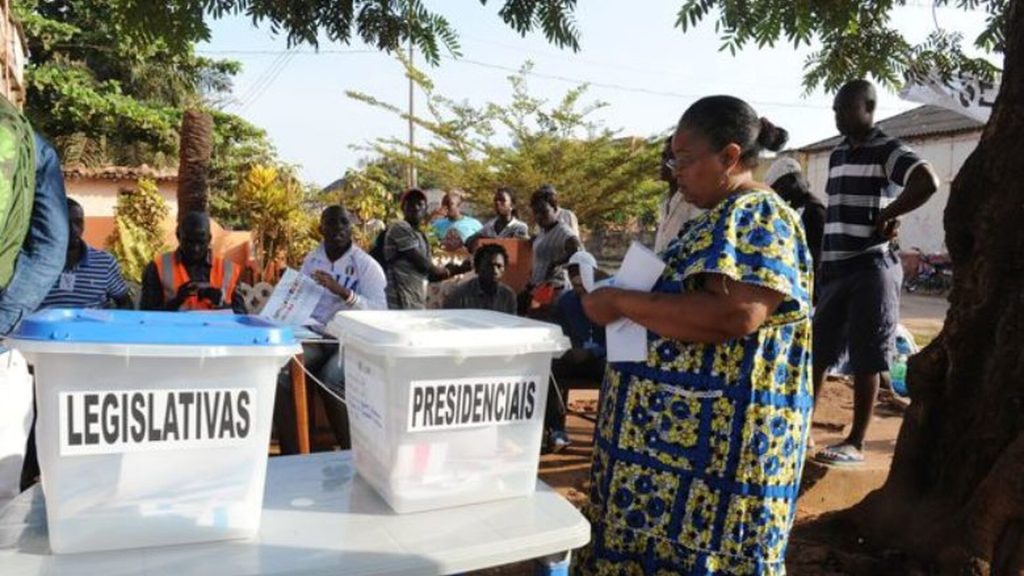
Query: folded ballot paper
[{"x": 640, "y": 270}]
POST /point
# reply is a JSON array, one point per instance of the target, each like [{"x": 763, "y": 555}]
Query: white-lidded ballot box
[
  {"x": 446, "y": 407},
  {"x": 152, "y": 427}
]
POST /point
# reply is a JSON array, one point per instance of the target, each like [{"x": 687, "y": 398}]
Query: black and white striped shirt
[{"x": 862, "y": 181}]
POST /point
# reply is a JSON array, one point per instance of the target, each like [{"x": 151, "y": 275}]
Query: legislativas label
[
  {"x": 467, "y": 402},
  {"x": 113, "y": 421}
]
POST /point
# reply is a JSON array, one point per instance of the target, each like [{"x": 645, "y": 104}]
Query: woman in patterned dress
[{"x": 699, "y": 449}]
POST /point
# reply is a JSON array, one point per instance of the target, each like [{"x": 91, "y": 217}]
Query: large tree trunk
[
  {"x": 194, "y": 161},
  {"x": 955, "y": 494}
]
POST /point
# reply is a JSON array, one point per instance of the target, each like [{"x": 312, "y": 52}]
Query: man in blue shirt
[
  {"x": 91, "y": 278},
  {"x": 454, "y": 227}
]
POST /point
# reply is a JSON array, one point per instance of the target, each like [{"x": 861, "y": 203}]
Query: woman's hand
[{"x": 602, "y": 306}]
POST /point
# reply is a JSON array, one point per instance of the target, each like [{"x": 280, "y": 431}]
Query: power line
[
  {"x": 241, "y": 100},
  {"x": 633, "y": 89},
  {"x": 265, "y": 80},
  {"x": 269, "y": 82},
  {"x": 532, "y": 73},
  {"x": 279, "y": 52}
]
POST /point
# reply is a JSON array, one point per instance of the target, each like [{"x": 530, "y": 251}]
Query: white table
[{"x": 320, "y": 518}]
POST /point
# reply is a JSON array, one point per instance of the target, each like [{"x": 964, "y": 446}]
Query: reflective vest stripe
[
  {"x": 226, "y": 281},
  {"x": 166, "y": 272}
]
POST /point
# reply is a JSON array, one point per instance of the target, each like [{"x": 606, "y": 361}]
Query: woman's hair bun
[{"x": 771, "y": 137}]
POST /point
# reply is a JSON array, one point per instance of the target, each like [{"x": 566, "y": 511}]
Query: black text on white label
[
  {"x": 109, "y": 421},
  {"x": 462, "y": 403}
]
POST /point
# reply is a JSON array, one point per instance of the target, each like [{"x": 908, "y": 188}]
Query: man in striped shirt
[
  {"x": 91, "y": 278},
  {"x": 873, "y": 180}
]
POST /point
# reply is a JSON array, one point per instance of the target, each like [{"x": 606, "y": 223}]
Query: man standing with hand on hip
[{"x": 873, "y": 180}]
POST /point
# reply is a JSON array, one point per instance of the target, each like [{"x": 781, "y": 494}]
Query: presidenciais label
[
  {"x": 113, "y": 421},
  {"x": 468, "y": 402}
]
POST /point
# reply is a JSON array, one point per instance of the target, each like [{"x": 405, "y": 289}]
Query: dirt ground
[{"x": 824, "y": 490}]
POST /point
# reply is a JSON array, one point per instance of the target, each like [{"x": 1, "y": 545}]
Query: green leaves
[
  {"x": 390, "y": 24},
  {"x": 270, "y": 200},
  {"x": 605, "y": 178},
  {"x": 553, "y": 17},
  {"x": 855, "y": 36},
  {"x": 138, "y": 234}
]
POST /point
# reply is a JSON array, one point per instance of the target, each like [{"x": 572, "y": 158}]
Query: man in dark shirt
[
  {"x": 199, "y": 280},
  {"x": 873, "y": 180},
  {"x": 407, "y": 258},
  {"x": 485, "y": 291}
]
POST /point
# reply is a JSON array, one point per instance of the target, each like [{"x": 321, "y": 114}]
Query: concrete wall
[
  {"x": 922, "y": 228},
  {"x": 98, "y": 196}
]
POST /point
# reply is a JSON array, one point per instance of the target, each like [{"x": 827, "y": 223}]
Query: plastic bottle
[{"x": 898, "y": 375}]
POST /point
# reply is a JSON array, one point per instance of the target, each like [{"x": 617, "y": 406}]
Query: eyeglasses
[{"x": 688, "y": 160}]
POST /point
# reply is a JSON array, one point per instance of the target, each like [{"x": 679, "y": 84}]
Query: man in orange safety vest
[{"x": 191, "y": 278}]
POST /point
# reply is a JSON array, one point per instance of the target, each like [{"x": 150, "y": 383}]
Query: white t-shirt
[
  {"x": 674, "y": 212},
  {"x": 568, "y": 217},
  {"x": 355, "y": 270}
]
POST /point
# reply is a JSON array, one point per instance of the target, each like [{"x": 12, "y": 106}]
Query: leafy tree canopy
[
  {"x": 857, "y": 38},
  {"x": 385, "y": 24},
  {"x": 107, "y": 96},
  {"x": 605, "y": 177}
]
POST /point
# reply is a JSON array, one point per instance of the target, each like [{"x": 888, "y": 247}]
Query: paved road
[{"x": 923, "y": 315}]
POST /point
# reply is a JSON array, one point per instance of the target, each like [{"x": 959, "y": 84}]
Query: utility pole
[{"x": 412, "y": 125}]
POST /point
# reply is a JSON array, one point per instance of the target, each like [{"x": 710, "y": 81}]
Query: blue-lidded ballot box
[{"x": 152, "y": 427}]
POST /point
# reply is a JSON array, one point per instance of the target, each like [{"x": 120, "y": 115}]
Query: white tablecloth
[{"x": 320, "y": 518}]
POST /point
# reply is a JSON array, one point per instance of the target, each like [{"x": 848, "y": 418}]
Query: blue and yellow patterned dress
[{"x": 699, "y": 450}]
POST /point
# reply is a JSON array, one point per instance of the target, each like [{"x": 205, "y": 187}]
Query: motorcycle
[{"x": 934, "y": 275}]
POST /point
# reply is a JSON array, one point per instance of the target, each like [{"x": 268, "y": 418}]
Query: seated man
[
  {"x": 91, "y": 278},
  {"x": 352, "y": 280},
  {"x": 586, "y": 359},
  {"x": 485, "y": 290},
  {"x": 191, "y": 278}
]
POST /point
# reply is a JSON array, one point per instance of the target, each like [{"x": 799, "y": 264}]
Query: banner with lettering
[{"x": 961, "y": 93}]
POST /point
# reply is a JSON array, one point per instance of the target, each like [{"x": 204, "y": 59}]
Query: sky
[{"x": 635, "y": 60}]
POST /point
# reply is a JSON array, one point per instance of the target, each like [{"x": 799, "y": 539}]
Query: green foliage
[
  {"x": 237, "y": 147},
  {"x": 603, "y": 177},
  {"x": 857, "y": 39},
  {"x": 138, "y": 233},
  {"x": 371, "y": 195},
  {"x": 106, "y": 95},
  {"x": 388, "y": 25},
  {"x": 271, "y": 202}
]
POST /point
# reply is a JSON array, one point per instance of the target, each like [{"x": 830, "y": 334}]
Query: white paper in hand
[
  {"x": 640, "y": 270},
  {"x": 294, "y": 299}
]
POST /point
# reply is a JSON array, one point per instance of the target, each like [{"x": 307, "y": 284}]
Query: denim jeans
[{"x": 42, "y": 254}]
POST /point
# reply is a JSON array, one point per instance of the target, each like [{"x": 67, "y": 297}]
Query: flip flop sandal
[{"x": 841, "y": 456}]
